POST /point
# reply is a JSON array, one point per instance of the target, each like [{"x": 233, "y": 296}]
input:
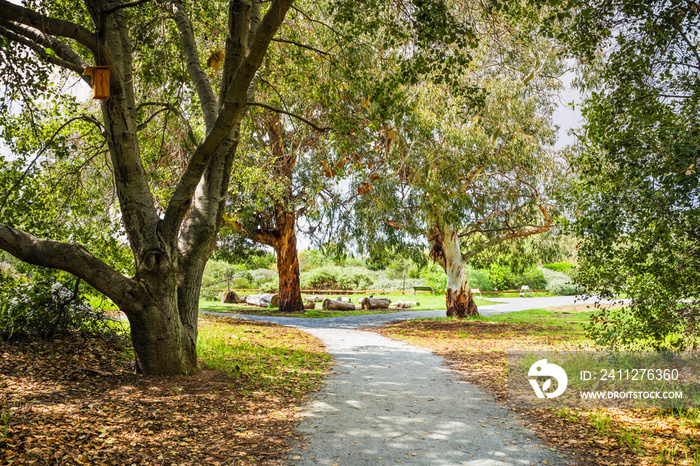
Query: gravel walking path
[{"x": 387, "y": 402}]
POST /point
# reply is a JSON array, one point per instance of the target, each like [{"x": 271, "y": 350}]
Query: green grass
[
  {"x": 268, "y": 357},
  {"x": 541, "y": 322},
  {"x": 427, "y": 302}
]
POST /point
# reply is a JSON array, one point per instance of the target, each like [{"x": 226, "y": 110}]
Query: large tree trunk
[
  {"x": 162, "y": 345},
  {"x": 446, "y": 252},
  {"x": 288, "y": 265},
  {"x": 170, "y": 248}
]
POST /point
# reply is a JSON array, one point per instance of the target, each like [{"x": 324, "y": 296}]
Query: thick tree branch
[
  {"x": 237, "y": 38},
  {"x": 47, "y": 25},
  {"x": 63, "y": 55},
  {"x": 72, "y": 258},
  {"x": 293, "y": 115},
  {"x": 194, "y": 67},
  {"x": 259, "y": 236},
  {"x": 231, "y": 111}
]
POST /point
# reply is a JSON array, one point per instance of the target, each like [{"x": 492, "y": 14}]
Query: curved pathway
[{"x": 387, "y": 402}]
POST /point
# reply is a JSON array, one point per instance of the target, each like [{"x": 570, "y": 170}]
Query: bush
[
  {"x": 435, "y": 276},
  {"x": 559, "y": 283},
  {"x": 502, "y": 277},
  {"x": 44, "y": 307},
  {"x": 563, "y": 267},
  {"x": 321, "y": 278},
  {"x": 479, "y": 279},
  {"x": 532, "y": 277},
  {"x": 354, "y": 278}
]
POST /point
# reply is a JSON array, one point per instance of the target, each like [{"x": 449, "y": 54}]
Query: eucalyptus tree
[
  {"x": 284, "y": 150},
  {"x": 468, "y": 172}
]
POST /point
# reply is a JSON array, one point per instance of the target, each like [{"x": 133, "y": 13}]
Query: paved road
[{"x": 387, "y": 402}]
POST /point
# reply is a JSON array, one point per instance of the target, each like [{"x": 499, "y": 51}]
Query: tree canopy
[{"x": 637, "y": 197}]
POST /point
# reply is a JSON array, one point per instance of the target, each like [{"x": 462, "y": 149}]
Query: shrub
[
  {"x": 321, "y": 278},
  {"x": 532, "y": 277},
  {"x": 502, "y": 277},
  {"x": 44, "y": 307},
  {"x": 260, "y": 276},
  {"x": 559, "y": 283},
  {"x": 354, "y": 278},
  {"x": 563, "y": 267},
  {"x": 479, "y": 279}
]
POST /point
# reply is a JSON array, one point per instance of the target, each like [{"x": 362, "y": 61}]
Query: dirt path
[{"x": 387, "y": 402}]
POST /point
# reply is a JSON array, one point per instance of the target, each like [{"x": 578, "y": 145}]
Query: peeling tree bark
[
  {"x": 288, "y": 266},
  {"x": 445, "y": 250}
]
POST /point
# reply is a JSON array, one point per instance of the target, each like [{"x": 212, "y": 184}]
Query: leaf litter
[
  {"x": 477, "y": 350},
  {"x": 75, "y": 401}
]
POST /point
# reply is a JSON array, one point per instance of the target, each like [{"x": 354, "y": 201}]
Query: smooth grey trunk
[{"x": 169, "y": 250}]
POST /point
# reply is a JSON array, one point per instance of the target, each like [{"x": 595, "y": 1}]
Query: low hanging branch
[{"x": 87, "y": 118}]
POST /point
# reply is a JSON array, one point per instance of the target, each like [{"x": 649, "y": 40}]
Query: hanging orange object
[{"x": 100, "y": 81}]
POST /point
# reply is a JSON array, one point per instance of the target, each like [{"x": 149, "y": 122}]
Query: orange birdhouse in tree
[{"x": 100, "y": 81}]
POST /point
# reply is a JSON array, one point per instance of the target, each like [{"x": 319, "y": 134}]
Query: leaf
[{"x": 215, "y": 59}]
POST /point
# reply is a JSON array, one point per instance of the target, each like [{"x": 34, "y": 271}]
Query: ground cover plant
[
  {"x": 476, "y": 348},
  {"x": 76, "y": 401}
]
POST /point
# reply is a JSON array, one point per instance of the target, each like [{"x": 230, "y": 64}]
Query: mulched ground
[
  {"x": 76, "y": 401},
  {"x": 477, "y": 351}
]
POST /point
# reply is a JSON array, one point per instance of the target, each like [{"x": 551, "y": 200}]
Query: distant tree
[{"x": 468, "y": 171}]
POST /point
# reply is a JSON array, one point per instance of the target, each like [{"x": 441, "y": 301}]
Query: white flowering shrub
[{"x": 44, "y": 307}]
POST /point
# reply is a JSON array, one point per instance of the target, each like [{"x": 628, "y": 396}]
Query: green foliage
[
  {"x": 525, "y": 253},
  {"x": 559, "y": 283},
  {"x": 46, "y": 306},
  {"x": 636, "y": 198},
  {"x": 563, "y": 267},
  {"x": 502, "y": 277},
  {"x": 321, "y": 278},
  {"x": 532, "y": 277},
  {"x": 479, "y": 279},
  {"x": 434, "y": 276},
  {"x": 331, "y": 277}
]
